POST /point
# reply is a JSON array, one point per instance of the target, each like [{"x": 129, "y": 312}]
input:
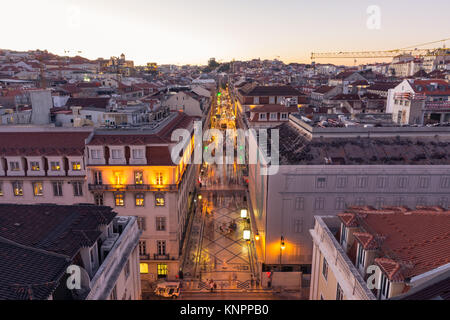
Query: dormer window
[
  {"x": 34, "y": 166},
  {"x": 14, "y": 166},
  {"x": 138, "y": 153},
  {"x": 117, "y": 154},
  {"x": 385, "y": 287},
  {"x": 262, "y": 116},
  {"x": 360, "y": 257},
  {"x": 343, "y": 234},
  {"x": 273, "y": 116},
  {"x": 55, "y": 166},
  {"x": 76, "y": 165},
  {"x": 95, "y": 154}
]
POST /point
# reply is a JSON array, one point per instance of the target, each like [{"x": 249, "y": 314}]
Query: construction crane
[{"x": 411, "y": 50}]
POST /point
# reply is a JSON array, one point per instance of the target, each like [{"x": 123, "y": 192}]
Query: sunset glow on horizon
[{"x": 180, "y": 32}]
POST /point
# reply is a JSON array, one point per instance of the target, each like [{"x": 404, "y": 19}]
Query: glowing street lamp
[
  {"x": 199, "y": 197},
  {"x": 246, "y": 235},
  {"x": 243, "y": 213},
  {"x": 282, "y": 245},
  {"x": 257, "y": 236}
]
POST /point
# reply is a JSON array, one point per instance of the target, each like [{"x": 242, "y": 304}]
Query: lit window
[
  {"x": 18, "y": 188},
  {"x": 143, "y": 268},
  {"x": 159, "y": 199},
  {"x": 138, "y": 177},
  {"x": 76, "y": 166},
  {"x": 118, "y": 177},
  {"x": 163, "y": 270},
  {"x": 38, "y": 189},
  {"x": 119, "y": 199},
  {"x": 1, "y": 188},
  {"x": 34, "y": 166},
  {"x": 139, "y": 200},
  {"x": 54, "y": 165},
  {"x": 159, "y": 178}
]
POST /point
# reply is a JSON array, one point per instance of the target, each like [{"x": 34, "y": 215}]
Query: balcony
[
  {"x": 133, "y": 187},
  {"x": 437, "y": 105},
  {"x": 155, "y": 257}
]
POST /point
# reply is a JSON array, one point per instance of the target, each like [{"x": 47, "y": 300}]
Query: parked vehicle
[{"x": 168, "y": 289}]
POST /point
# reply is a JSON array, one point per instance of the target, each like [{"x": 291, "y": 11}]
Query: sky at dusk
[{"x": 192, "y": 31}]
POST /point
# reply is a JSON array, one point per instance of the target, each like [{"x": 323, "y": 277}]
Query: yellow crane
[{"x": 411, "y": 50}]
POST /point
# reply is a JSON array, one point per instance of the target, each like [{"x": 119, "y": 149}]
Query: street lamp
[
  {"x": 243, "y": 213},
  {"x": 257, "y": 236},
  {"x": 282, "y": 245},
  {"x": 246, "y": 235}
]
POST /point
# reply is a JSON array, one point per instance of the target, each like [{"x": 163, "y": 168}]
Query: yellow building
[{"x": 133, "y": 172}]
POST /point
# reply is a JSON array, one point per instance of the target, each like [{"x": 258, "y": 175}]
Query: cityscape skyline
[{"x": 224, "y": 31}]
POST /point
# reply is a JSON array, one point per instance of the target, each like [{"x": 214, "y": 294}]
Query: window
[
  {"x": 159, "y": 199},
  {"x": 118, "y": 177},
  {"x": 339, "y": 293},
  {"x": 54, "y": 166},
  {"x": 424, "y": 182},
  {"x": 361, "y": 182},
  {"x": 445, "y": 182},
  {"x": 98, "y": 198},
  {"x": 159, "y": 178},
  {"x": 57, "y": 189},
  {"x": 98, "y": 177},
  {"x": 163, "y": 270},
  {"x": 399, "y": 201},
  {"x": 77, "y": 188},
  {"x": 379, "y": 202},
  {"x": 160, "y": 223},
  {"x": 262, "y": 116},
  {"x": 361, "y": 256},
  {"x": 116, "y": 154},
  {"x": 319, "y": 203},
  {"x": 343, "y": 234},
  {"x": 360, "y": 201},
  {"x": 138, "y": 154},
  {"x": 127, "y": 269},
  {"x": 298, "y": 225},
  {"x": 17, "y": 188},
  {"x": 34, "y": 165},
  {"x": 14, "y": 166},
  {"x": 325, "y": 269},
  {"x": 96, "y": 154},
  {"x": 141, "y": 223},
  {"x": 385, "y": 286},
  {"x": 284, "y": 116},
  {"x": 142, "y": 248},
  {"x": 119, "y": 199},
  {"x": 402, "y": 182},
  {"x": 340, "y": 203},
  {"x": 321, "y": 182},
  {"x": 143, "y": 268},
  {"x": 113, "y": 295},
  {"x": 299, "y": 203},
  {"x": 88, "y": 117},
  {"x": 161, "y": 247},
  {"x": 421, "y": 201},
  {"x": 1, "y": 189},
  {"x": 273, "y": 116},
  {"x": 139, "y": 200},
  {"x": 381, "y": 182},
  {"x": 443, "y": 202},
  {"x": 341, "y": 182},
  {"x": 138, "y": 177},
  {"x": 76, "y": 166}
]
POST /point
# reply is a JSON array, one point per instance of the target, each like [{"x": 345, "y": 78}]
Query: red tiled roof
[
  {"x": 42, "y": 143},
  {"x": 417, "y": 240}
]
